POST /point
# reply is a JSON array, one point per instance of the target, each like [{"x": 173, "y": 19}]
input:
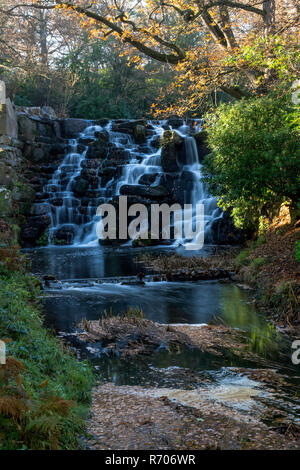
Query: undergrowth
[{"x": 44, "y": 389}]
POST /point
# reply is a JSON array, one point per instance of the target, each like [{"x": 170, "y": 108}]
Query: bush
[{"x": 255, "y": 163}]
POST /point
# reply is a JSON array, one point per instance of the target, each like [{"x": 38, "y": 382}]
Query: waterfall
[{"x": 72, "y": 202}]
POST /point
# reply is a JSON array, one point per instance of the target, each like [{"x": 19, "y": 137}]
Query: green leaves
[{"x": 255, "y": 157}]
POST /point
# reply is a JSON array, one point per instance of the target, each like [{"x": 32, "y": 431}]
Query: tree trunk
[{"x": 269, "y": 11}]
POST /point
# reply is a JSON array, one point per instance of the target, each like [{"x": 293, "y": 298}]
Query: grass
[{"x": 44, "y": 389}]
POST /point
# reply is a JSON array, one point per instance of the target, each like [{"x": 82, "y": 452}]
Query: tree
[
  {"x": 255, "y": 161},
  {"x": 204, "y": 40}
]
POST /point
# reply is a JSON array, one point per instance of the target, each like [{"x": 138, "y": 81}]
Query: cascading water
[
  {"x": 72, "y": 208},
  {"x": 198, "y": 193}
]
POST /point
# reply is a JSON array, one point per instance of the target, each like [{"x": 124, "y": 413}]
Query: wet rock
[
  {"x": 41, "y": 195},
  {"x": 107, "y": 173},
  {"x": 90, "y": 164},
  {"x": 88, "y": 174},
  {"x": 172, "y": 151},
  {"x": 97, "y": 150},
  {"x": 101, "y": 122},
  {"x": 57, "y": 202},
  {"x": 57, "y": 148},
  {"x": 175, "y": 122},
  {"x": 102, "y": 136},
  {"x": 34, "y": 229},
  {"x": 85, "y": 140},
  {"x": 155, "y": 192},
  {"x": 156, "y": 142},
  {"x": 64, "y": 235},
  {"x": 224, "y": 232},
  {"x": 127, "y": 126},
  {"x": 139, "y": 134},
  {"x": 148, "y": 178},
  {"x": 72, "y": 127},
  {"x": 80, "y": 186},
  {"x": 118, "y": 154},
  {"x": 49, "y": 169},
  {"x": 202, "y": 146}
]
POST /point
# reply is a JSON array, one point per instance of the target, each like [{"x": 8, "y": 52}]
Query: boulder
[
  {"x": 127, "y": 127},
  {"x": 175, "y": 122},
  {"x": 37, "y": 152},
  {"x": 202, "y": 146},
  {"x": 70, "y": 128},
  {"x": 8, "y": 119},
  {"x": 6, "y": 203},
  {"x": 172, "y": 151},
  {"x": 107, "y": 173},
  {"x": 34, "y": 228},
  {"x": 88, "y": 173},
  {"x": 80, "y": 186},
  {"x": 23, "y": 192},
  {"x": 223, "y": 232},
  {"x": 156, "y": 142},
  {"x": 48, "y": 112},
  {"x": 92, "y": 164},
  {"x": 10, "y": 161},
  {"x": 97, "y": 150},
  {"x": 118, "y": 154},
  {"x": 27, "y": 127},
  {"x": 139, "y": 134},
  {"x": 102, "y": 136},
  {"x": 151, "y": 192},
  {"x": 64, "y": 235},
  {"x": 148, "y": 178}
]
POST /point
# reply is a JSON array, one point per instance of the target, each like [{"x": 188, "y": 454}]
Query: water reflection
[
  {"x": 238, "y": 313},
  {"x": 79, "y": 296}
]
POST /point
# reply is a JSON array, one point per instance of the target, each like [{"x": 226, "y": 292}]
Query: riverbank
[
  {"x": 237, "y": 411},
  {"x": 44, "y": 389},
  {"x": 268, "y": 265}
]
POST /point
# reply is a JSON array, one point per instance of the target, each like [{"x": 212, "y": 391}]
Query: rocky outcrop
[
  {"x": 172, "y": 151},
  {"x": 202, "y": 145},
  {"x": 8, "y": 119},
  {"x": 34, "y": 228}
]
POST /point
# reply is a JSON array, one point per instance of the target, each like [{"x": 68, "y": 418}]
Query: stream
[
  {"x": 87, "y": 280},
  {"x": 90, "y": 281}
]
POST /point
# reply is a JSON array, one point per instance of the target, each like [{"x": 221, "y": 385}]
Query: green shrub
[
  {"x": 44, "y": 390},
  {"x": 255, "y": 161},
  {"x": 242, "y": 258},
  {"x": 258, "y": 262}
]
